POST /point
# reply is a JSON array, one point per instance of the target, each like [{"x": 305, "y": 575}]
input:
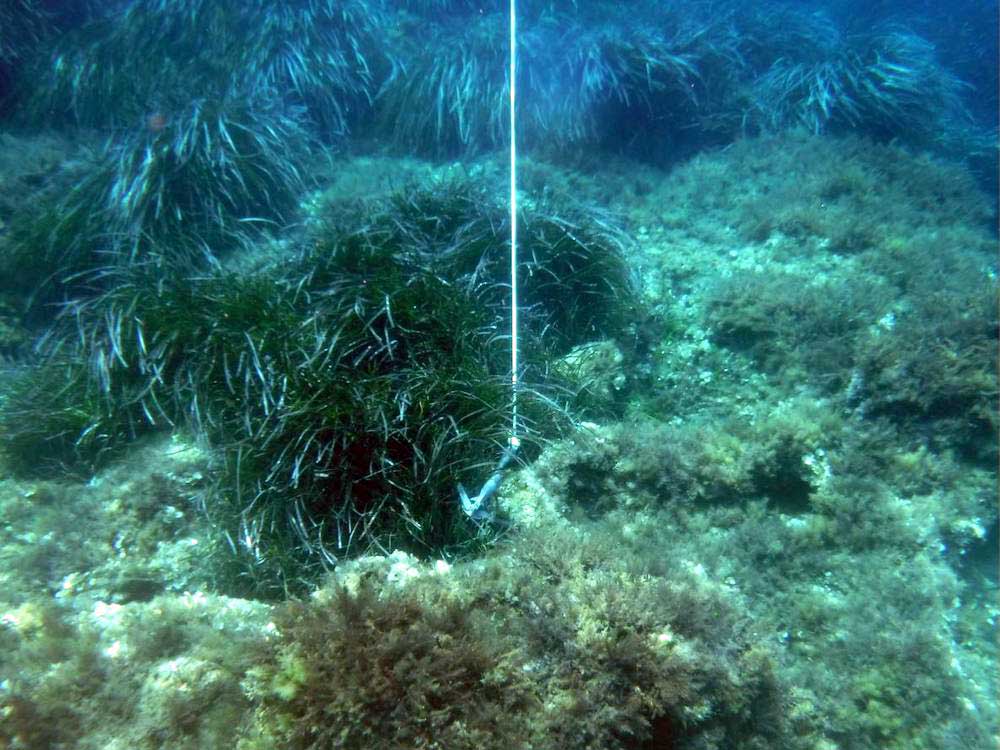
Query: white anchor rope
[
  {"x": 514, "y": 427},
  {"x": 478, "y": 507}
]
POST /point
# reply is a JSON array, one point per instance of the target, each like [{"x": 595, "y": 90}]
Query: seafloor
[{"x": 782, "y": 534}]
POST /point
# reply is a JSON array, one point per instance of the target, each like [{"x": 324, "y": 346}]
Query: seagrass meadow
[{"x": 267, "y": 479}]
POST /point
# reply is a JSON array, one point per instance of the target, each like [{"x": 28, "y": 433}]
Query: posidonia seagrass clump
[
  {"x": 884, "y": 83},
  {"x": 649, "y": 79},
  {"x": 189, "y": 190},
  {"x": 585, "y": 72},
  {"x": 22, "y": 25},
  {"x": 658, "y": 80},
  {"x": 349, "y": 389},
  {"x": 150, "y": 59},
  {"x": 207, "y": 110},
  {"x": 26, "y": 26}
]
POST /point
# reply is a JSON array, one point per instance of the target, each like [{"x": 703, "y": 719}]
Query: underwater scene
[{"x": 353, "y": 397}]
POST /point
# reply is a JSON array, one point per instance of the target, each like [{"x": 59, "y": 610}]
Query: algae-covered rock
[
  {"x": 556, "y": 640},
  {"x": 163, "y": 673}
]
